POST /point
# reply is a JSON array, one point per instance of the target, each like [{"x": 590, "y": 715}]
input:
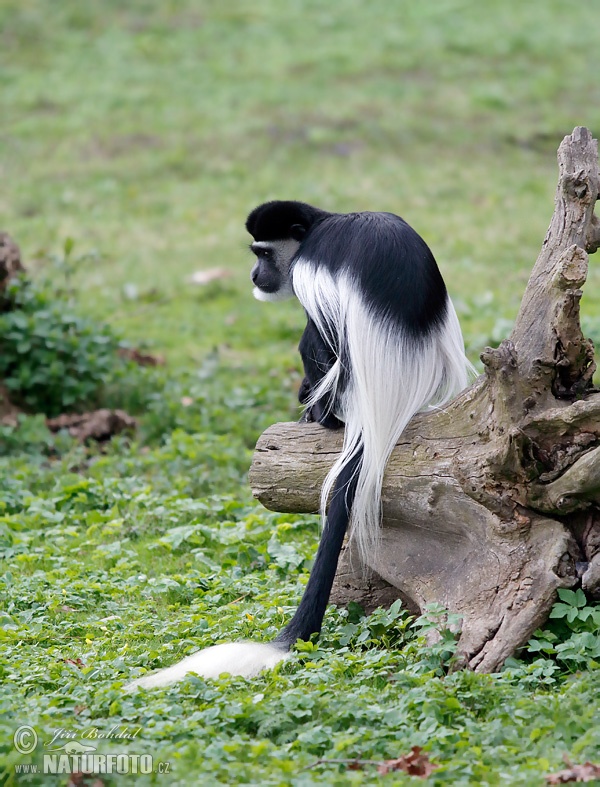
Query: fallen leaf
[
  {"x": 208, "y": 275},
  {"x": 141, "y": 358},
  {"x": 76, "y": 662},
  {"x": 415, "y": 764},
  {"x": 575, "y": 773}
]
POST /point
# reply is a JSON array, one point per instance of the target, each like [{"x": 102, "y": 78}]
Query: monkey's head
[{"x": 278, "y": 229}]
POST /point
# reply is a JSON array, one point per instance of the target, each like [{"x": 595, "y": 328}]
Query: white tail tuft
[{"x": 246, "y": 659}]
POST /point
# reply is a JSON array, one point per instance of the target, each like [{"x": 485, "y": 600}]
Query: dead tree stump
[{"x": 492, "y": 504}]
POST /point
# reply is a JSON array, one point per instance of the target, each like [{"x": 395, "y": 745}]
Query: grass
[{"x": 145, "y": 132}]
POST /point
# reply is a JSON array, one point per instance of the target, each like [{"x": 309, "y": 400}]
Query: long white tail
[{"x": 388, "y": 378}]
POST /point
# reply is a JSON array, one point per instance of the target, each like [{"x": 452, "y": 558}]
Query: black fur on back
[{"x": 392, "y": 265}]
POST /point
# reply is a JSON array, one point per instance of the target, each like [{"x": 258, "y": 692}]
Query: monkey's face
[{"x": 271, "y": 273}]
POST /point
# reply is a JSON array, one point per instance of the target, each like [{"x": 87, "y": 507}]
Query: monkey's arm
[{"x": 318, "y": 358}]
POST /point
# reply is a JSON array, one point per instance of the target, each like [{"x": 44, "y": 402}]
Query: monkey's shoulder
[
  {"x": 387, "y": 263},
  {"x": 366, "y": 241}
]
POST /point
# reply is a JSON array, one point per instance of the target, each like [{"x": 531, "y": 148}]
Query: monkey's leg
[
  {"x": 317, "y": 358},
  {"x": 308, "y": 618}
]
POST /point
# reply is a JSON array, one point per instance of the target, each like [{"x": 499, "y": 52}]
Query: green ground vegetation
[{"x": 134, "y": 139}]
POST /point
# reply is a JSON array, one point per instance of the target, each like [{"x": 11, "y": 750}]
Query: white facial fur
[{"x": 283, "y": 251}]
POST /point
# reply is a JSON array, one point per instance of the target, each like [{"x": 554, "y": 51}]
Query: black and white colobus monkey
[{"x": 382, "y": 342}]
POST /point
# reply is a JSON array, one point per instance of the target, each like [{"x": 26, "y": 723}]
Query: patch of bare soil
[
  {"x": 98, "y": 425},
  {"x": 8, "y": 411},
  {"x": 141, "y": 358}
]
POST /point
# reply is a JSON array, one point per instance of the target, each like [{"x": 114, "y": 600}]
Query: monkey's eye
[{"x": 262, "y": 252}]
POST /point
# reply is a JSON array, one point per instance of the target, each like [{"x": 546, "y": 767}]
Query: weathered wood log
[{"x": 493, "y": 503}]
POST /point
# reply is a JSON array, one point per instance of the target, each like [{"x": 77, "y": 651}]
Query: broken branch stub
[{"x": 492, "y": 504}]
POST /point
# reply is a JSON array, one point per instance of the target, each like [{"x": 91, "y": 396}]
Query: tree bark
[{"x": 493, "y": 503}]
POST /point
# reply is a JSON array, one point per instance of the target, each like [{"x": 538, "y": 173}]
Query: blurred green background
[
  {"x": 146, "y": 131},
  {"x": 141, "y": 134}
]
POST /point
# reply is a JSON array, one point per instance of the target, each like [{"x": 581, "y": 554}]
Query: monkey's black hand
[
  {"x": 306, "y": 418},
  {"x": 305, "y": 391},
  {"x": 322, "y": 413},
  {"x": 328, "y": 420}
]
